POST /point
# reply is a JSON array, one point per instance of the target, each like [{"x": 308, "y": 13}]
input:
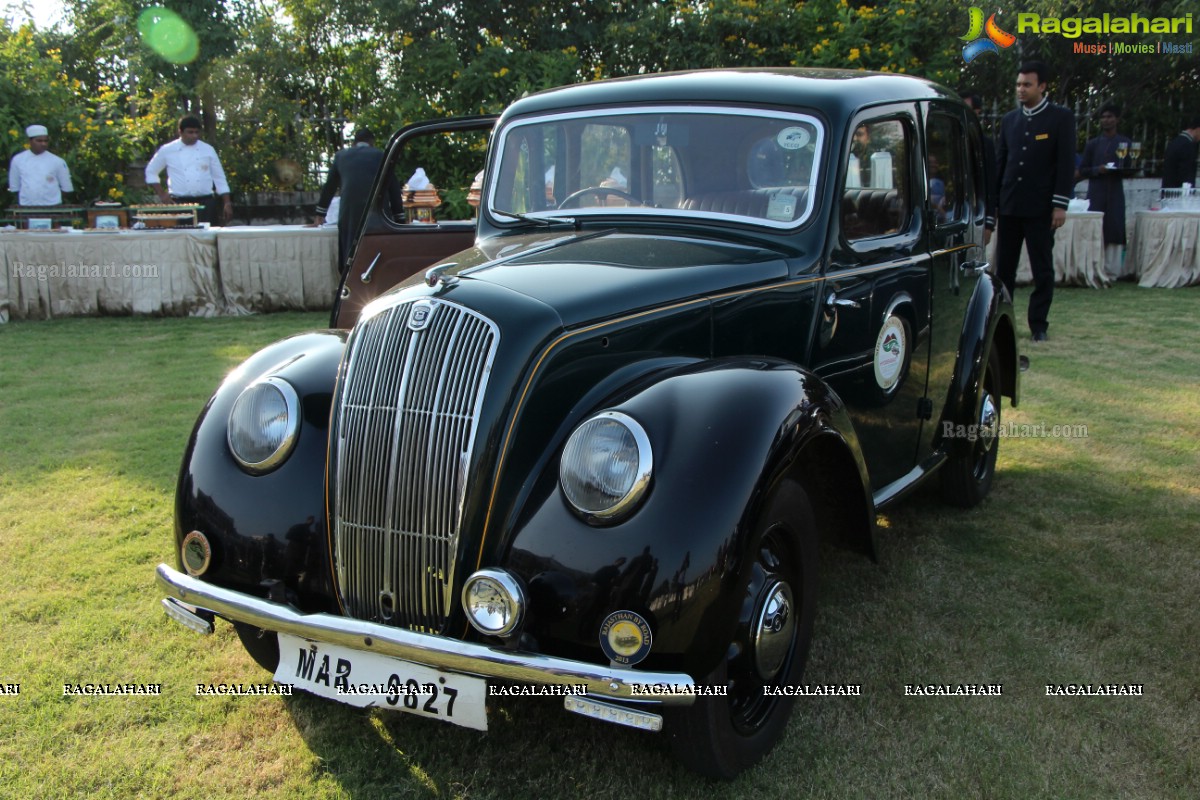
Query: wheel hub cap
[
  {"x": 773, "y": 630},
  {"x": 988, "y": 416}
]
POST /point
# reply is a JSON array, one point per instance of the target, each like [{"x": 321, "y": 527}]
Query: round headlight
[
  {"x": 606, "y": 466},
  {"x": 264, "y": 424},
  {"x": 494, "y": 602}
]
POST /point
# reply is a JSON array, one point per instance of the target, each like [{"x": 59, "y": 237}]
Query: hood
[{"x": 586, "y": 277}]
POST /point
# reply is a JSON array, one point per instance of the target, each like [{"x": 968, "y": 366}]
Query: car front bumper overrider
[{"x": 452, "y": 655}]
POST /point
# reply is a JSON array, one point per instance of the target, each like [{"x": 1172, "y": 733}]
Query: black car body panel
[{"x": 775, "y": 333}]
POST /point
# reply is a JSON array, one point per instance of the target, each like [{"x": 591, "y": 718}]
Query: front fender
[
  {"x": 722, "y": 432},
  {"x": 267, "y": 532}
]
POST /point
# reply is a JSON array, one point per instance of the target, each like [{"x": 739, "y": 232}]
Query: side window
[
  {"x": 876, "y": 196},
  {"x": 945, "y": 169}
]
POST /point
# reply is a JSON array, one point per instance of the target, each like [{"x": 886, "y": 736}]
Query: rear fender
[{"x": 988, "y": 324}]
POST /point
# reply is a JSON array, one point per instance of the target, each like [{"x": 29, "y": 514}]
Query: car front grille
[{"x": 408, "y": 407}]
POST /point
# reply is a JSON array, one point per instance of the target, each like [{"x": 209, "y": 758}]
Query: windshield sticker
[
  {"x": 793, "y": 138},
  {"x": 782, "y": 207}
]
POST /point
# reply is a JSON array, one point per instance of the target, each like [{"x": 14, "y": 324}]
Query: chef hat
[{"x": 36, "y": 130}]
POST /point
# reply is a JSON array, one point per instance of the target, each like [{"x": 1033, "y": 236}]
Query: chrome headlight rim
[
  {"x": 640, "y": 484},
  {"x": 512, "y": 592},
  {"x": 288, "y": 443}
]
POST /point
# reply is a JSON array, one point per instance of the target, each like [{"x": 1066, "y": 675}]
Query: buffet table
[
  {"x": 187, "y": 272},
  {"x": 1163, "y": 250}
]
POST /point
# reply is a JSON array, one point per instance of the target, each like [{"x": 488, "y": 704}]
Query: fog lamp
[{"x": 494, "y": 602}]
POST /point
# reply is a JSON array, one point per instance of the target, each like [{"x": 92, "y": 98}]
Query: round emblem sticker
[
  {"x": 793, "y": 138},
  {"x": 196, "y": 552},
  {"x": 625, "y": 637},
  {"x": 891, "y": 350}
]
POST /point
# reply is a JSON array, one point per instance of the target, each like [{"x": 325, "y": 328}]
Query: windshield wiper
[{"x": 540, "y": 221}]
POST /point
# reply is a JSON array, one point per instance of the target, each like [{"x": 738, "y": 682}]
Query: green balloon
[{"x": 169, "y": 35}]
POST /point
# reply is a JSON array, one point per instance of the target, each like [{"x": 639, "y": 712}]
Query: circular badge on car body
[
  {"x": 625, "y": 637},
  {"x": 891, "y": 352},
  {"x": 196, "y": 553}
]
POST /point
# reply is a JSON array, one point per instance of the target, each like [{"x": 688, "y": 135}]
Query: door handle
[
  {"x": 833, "y": 301},
  {"x": 366, "y": 276},
  {"x": 975, "y": 268}
]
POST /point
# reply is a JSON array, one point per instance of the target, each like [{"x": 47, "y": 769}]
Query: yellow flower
[
  {"x": 13, "y": 133},
  {"x": 853, "y": 54}
]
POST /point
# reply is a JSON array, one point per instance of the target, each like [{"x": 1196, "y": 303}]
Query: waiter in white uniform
[
  {"x": 37, "y": 176},
  {"x": 193, "y": 172}
]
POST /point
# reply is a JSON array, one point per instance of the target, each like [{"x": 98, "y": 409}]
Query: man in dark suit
[
  {"x": 1036, "y": 163},
  {"x": 353, "y": 173},
  {"x": 1179, "y": 161}
]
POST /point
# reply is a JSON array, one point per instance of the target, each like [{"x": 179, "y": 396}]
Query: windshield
[{"x": 742, "y": 165}]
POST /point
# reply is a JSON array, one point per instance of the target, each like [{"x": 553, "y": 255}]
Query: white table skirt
[
  {"x": 1164, "y": 249},
  {"x": 174, "y": 273},
  {"x": 277, "y": 267}
]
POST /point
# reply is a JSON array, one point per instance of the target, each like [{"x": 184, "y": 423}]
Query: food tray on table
[{"x": 178, "y": 215}]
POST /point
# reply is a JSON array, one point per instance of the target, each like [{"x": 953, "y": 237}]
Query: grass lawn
[{"x": 1083, "y": 566}]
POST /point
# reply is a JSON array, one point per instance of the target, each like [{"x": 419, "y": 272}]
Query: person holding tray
[
  {"x": 1102, "y": 164},
  {"x": 193, "y": 173}
]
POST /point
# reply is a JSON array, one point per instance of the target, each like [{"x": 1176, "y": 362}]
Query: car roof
[{"x": 836, "y": 92}]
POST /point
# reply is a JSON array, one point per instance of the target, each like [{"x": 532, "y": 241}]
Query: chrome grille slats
[{"x": 408, "y": 410}]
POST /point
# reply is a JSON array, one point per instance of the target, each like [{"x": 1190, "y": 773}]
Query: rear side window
[
  {"x": 945, "y": 169},
  {"x": 876, "y": 192}
]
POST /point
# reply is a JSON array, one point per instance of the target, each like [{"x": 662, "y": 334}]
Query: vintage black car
[{"x": 701, "y": 320}]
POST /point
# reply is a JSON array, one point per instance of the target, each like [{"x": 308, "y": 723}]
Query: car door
[
  {"x": 399, "y": 237},
  {"x": 872, "y": 345},
  {"x": 955, "y": 179}
]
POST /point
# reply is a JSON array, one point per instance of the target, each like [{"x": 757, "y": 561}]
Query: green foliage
[
  {"x": 279, "y": 81},
  {"x": 96, "y": 132}
]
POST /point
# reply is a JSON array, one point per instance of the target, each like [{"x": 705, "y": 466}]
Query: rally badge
[{"x": 625, "y": 637}]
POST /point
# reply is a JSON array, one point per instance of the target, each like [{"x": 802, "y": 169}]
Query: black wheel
[
  {"x": 967, "y": 475},
  {"x": 263, "y": 646},
  {"x": 722, "y": 736},
  {"x": 600, "y": 191}
]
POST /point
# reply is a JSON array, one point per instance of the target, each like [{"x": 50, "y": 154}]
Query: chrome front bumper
[{"x": 452, "y": 655}]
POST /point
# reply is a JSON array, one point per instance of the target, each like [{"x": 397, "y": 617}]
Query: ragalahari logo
[{"x": 976, "y": 45}]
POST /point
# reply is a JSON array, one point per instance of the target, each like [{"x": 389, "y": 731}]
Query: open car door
[{"x": 389, "y": 247}]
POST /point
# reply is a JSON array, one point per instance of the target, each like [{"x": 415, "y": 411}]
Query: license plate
[{"x": 370, "y": 680}]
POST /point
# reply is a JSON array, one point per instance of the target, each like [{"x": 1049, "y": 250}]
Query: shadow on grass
[{"x": 533, "y": 748}]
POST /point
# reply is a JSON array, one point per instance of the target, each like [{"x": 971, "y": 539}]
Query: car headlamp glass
[
  {"x": 606, "y": 466},
  {"x": 264, "y": 424}
]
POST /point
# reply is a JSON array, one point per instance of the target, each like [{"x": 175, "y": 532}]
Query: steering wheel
[{"x": 602, "y": 191}]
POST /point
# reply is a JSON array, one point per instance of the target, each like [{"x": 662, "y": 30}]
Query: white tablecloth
[
  {"x": 173, "y": 273},
  {"x": 1164, "y": 250},
  {"x": 1078, "y": 252},
  {"x": 71, "y": 274},
  {"x": 277, "y": 267}
]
